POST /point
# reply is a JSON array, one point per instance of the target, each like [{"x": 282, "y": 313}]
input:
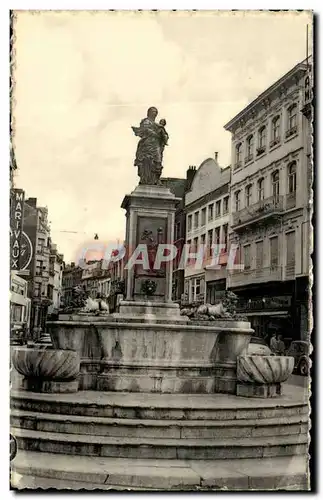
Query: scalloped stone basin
[
  {"x": 49, "y": 364},
  {"x": 264, "y": 369},
  {"x": 136, "y": 355}
]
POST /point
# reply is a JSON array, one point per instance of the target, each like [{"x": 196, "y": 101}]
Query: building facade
[
  {"x": 270, "y": 212},
  {"x": 207, "y": 221},
  {"x": 55, "y": 285},
  {"x": 96, "y": 280},
  {"x": 179, "y": 188},
  {"x": 72, "y": 277},
  {"x": 20, "y": 304}
]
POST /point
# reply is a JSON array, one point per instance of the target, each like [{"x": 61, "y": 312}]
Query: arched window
[
  {"x": 275, "y": 184},
  {"x": 262, "y": 139},
  {"x": 292, "y": 177},
  {"x": 248, "y": 195},
  {"x": 261, "y": 189},
  {"x": 237, "y": 200},
  {"x": 249, "y": 150},
  {"x": 275, "y": 130},
  {"x": 291, "y": 120},
  {"x": 238, "y": 155}
]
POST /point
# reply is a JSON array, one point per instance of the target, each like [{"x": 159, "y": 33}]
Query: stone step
[
  {"x": 44, "y": 470},
  {"x": 194, "y": 429},
  {"x": 158, "y": 406},
  {"x": 146, "y": 447}
]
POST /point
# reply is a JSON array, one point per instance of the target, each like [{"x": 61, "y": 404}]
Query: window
[
  {"x": 177, "y": 231},
  {"x": 292, "y": 119},
  {"x": 203, "y": 218},
  {"x": 274, "y": 251},
  {"x": 203, "y": 237},
  {"x": 262, "y": 139},
  {"x": 37, "y": 289},
  {"x": 195, "y": 244},
  {"x": 197, "y": 288},
  {"x": 189, "y": 243},
  {"x": 189, "y": 223},
  {"x": 226, "y": 205},
  {"x": 16, "y": 313},
  {"x": 292, "y": 177},
  {"x": 275, "y": 183},
  {"x": 238, "y": 155},
  {"x": 210, "y": 212},
  {"x": 247, "y": 257},
  {"x": 290, "y": 248},
  {"x": 196, "y": 220},
  {"x": 210, "y": 241},
  {"x": 275, "y": 131},
  {"x": 218, "y": 208},
  {"x": 39, "y": 266},
  {"x": 237, "y": 201},
  {"x": 259, "y": 254},
  {"x": 249, "y": 152},
  {"x": 225, "y": 236},
  {"x": 248, "y": 195},
  {"x": 217, "y": 235},
  {"x": 261, "y": 190}
]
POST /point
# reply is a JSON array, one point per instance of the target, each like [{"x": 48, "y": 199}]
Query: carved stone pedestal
[
  {"x": 258, "y": 390},
  {"x": 49, "y": 386}
]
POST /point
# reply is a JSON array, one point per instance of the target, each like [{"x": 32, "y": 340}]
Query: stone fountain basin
[
  {"x": 46, "y": 364},
  {"x": 264, "y": 369},
  {"x": 151, "y": 357}
]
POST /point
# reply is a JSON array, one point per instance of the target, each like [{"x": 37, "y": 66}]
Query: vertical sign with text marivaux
[{"x": 17, "y": 198}]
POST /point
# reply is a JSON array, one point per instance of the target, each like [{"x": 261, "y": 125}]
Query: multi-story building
[
  {"x": 20, "y": 304},
  {"x": 72, "y": 277},
  {"x": 270, "y": 211},
  {"x": 96, "y": 279},
  {"x": 207, "y": 220},
  {"x": 179, "y": 188},
  {"x": 56, "y": 266},
  {"x": 37, "y": 233}
]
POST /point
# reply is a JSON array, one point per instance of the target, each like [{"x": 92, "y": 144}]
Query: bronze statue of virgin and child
[{"x": 150, "y": 149}]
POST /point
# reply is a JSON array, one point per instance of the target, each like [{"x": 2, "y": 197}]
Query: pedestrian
[
  {"x": 280, "y": 346},
  {"x": 273, "y": 343}
]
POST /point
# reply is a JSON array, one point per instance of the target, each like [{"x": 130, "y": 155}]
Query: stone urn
[
  {"x": 47, "y": 370},
  {"x": 262, "y": 376}
]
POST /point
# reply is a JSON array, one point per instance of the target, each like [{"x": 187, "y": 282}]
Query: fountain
[{"x": 154, "y": 384}]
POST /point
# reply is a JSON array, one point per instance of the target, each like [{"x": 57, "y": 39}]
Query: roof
[
  {"x": 300, "y": 67},
  {"x": 176, "y": 185}
]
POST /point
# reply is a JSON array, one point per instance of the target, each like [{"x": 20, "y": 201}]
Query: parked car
[
  {"x": 299, "y": 350},
  {"x": 257, "y": 346}
]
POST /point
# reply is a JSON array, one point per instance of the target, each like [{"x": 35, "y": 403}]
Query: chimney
[
  {"x": 190, "y": 174},
  {"x": 216, "y": 156}
]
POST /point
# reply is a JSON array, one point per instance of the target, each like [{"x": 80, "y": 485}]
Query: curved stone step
[
  {"x": 145, "y": 447},
  {"x": 159, "y": 406},
  {"x": 44, "y": 470},
  {"x": 180, "y": 429}
]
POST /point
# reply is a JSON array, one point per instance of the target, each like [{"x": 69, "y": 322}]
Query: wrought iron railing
[
  {"x": 261, "y": 275},
  {"x": 265, "y": 207}
]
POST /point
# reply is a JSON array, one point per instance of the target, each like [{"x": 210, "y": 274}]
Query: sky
[{"x": 82, "y": 79}]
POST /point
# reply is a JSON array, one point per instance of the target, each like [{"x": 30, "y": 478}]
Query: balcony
[
  {"x": 248, "y": 158},
  {"x": 263, "y": 209},
  {"x": 290, "y": 132},
  {"x": 254, "y": 276},
  {"x": 237, "y": 165},
  {"x": 261, "y": 150},
  {"x": 42, "y": 274},
  {"x": 274, "y": 142},
  {"x": 290, "y": 200},
  {"x": 290, "y": 271}
]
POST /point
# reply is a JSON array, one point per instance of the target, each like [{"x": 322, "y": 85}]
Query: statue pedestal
[{"x": 150, "y": 213}]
